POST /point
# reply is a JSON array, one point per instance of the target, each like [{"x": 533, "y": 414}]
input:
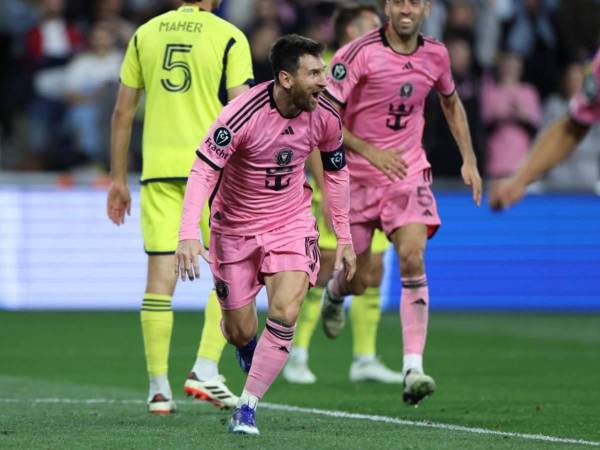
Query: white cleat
[
  {"x": 417, "y": 386},
  {"x": 374, "y": 370},
  {"x": 213, "y": 391},
  {"x": 297, "y": 372},
  {"x": 333, "y": 316},
  {"x": 159, "y": 404}
]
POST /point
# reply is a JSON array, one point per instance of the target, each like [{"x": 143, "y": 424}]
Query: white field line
[{"x": 328, "y": 413}]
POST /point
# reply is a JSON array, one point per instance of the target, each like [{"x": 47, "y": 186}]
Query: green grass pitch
[{"x": 520, "y": 373}]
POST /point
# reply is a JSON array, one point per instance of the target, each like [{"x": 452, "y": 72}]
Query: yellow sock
[
  {"x": 212, "y": 341},
  {"x": 365, "y": 314},
  {"x": 308, "y": 318},
  {"x": 157, "y": 323}
]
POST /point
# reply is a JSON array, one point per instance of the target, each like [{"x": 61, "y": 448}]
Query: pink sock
[
  {"x": 337, "y": 285},
  {"x": 271, "y": 353},
  {"x": 414, "y": 312}
]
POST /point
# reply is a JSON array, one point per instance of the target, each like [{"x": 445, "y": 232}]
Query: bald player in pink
[
  {"x": 381, "y": 81},
  {"x": 555, "y": 143},
  {"x": 250, "y": 167}
]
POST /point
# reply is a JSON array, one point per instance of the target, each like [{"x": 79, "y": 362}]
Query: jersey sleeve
[
  {"x": 585, "y": 105},
  {"x": 330, "y": 134},
  {"x": 346, "y": 70},
  {"x": 239, "y": 69},
  {"x": 220, "y": 142},
  {"x": 131, "y": 70},
  {"x": 445, "y": 82}
]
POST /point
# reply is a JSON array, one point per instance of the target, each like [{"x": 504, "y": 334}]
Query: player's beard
[
  {"x": 215, "y": 4},
  {"x": 302, "y": 99}
]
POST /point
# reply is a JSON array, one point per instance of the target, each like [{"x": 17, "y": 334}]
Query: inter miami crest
[
  {"x": 406, "y": 90},
  {"x": 284, "y": 157},
  {"x": 222, "y": 137},
  {"x": 222, "y": 289},
  {"x": 338, "y": 72}
]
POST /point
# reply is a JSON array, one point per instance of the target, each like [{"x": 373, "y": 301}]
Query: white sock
[
  {"x": 299, "y": 355},
  {"x": 160, "y": 385},
  {"x": 248, "y": 399},
  {"x": 367, "y": 358},
  {"x": 205, "y": 369},
  {"x": 413, "y": 362}
]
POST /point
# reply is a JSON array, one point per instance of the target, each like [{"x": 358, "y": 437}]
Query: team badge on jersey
[
  {"x": 284, "y": 157},
  {"x": 406, "y": 90},
  {"x": 339, "y": 72},
  {"x": 590, "y": 87},
  {"x": 222, "y": 289},
  {"x": 222, "y": 137}
]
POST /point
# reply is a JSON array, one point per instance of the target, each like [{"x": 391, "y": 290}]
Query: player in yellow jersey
[
  {"x": 350, "y": 23},
  {"x": 190, "y": 63}
]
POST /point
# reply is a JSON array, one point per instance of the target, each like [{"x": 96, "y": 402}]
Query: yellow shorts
[
  {"x": 162, "y": 204},
  {"x": 327, "y": 240}
]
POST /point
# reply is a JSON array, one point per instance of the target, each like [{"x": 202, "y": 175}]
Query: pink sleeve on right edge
[
  {"x": 200, "y": 184},
  {"x": 337, "y": 192}
]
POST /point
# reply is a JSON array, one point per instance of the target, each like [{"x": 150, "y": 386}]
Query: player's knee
[
  {"x": 411, "y": 259},
  {"x": 239, "y": 336}
]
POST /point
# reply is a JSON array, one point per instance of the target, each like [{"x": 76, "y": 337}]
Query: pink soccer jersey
[
  {"x": 585, "y": 106},
  {"x": 262, "y": 185},
  {"x": 384, "y": 96}
]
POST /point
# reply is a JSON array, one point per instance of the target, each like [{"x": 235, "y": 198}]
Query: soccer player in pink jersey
[
  {"x": 251, "y": 165},
  {"x": 557, "y": 142},
  {"x": 382, "y": 80}
]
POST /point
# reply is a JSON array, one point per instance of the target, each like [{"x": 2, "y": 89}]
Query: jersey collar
[
  {"x": 384, "y": 40},
  {"x": 190, "y": 8}
]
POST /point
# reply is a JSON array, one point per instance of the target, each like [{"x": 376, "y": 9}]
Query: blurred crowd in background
[{"x": 515, "y": 63}]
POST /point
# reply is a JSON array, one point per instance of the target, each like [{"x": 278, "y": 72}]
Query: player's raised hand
[
  {"x": 390, "y": 162},
  {"x": 345, "y": 258},
  {"x": 118, "y": 202},
  {"x": 505, "y": 193},
  {"x": 186, "y": 259},
  {"x": 471, "y": 177}
]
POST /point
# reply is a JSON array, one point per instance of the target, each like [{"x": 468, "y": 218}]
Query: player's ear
[{"x": 285, "y": 79}]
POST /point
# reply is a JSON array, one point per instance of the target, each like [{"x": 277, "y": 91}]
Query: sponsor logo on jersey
[
  {"x": 339, "y": 72},
  {"x": 284, "y": 157}
]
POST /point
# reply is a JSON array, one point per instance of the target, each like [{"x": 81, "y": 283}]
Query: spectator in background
[
  {"x": 50, "y": 45},
  {"x": 511, "y": 112},
  {"x": 581, "y": 170},
  {"x": 531, "y": 32},
  {"x": 90, "y": 81},
  {"x": 442, "y": 151},
  {"x": 260, "y": 44},
  {"x": 478, "y": 21},
  {"x": 113, "y": 12}
]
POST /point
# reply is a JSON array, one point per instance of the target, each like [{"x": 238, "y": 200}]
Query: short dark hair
[
  {"x": 286, "y": 53},
  {"x": 346, "y": 15}
]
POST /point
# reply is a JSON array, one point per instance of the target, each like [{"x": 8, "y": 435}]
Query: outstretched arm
[
  {"x": 554, "y": 144},
  {"x": 456, "y": 117}
]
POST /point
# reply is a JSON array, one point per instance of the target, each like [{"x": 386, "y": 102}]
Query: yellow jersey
[{"x": 185, "y": 60}]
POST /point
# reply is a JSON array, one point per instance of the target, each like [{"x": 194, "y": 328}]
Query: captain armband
[{"x": 335, "y": 160}]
